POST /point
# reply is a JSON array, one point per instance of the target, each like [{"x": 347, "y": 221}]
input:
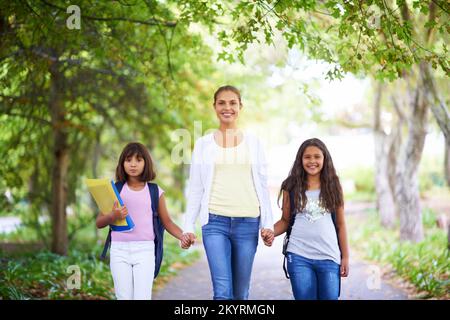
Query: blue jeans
[
  {"x": 230, "y": 245},
  {"x": 313, "y": 279}
]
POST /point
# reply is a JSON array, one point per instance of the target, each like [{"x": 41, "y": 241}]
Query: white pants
[{"x": 132, "y": 268}]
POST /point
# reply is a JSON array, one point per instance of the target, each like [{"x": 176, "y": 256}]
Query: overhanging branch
[{"x": 150, "y": 22}]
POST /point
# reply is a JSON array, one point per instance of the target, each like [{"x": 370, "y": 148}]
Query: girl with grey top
[{"x": 317, "y": 252}]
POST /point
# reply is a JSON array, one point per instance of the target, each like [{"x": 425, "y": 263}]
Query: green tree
[
  {"x": 125, "y": 73},
  {"x": 382, "y": 38}
]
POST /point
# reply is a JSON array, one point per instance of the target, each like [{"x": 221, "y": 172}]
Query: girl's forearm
[
  {"x": 280, "y": 227},
  {"x": 174, "y": 230},
  {"x": 104, "y": 220},
  {"x": 342, "y": 234}
]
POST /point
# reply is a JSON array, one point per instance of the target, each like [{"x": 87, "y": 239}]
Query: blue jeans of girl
[
  {"x": 313, "y": 279},
  {"x": 230, "y": 245}
]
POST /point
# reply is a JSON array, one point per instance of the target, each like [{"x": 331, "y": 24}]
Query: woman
[{"x": 228, "y": 189}]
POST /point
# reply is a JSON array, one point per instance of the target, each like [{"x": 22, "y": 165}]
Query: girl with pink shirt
[{"x": 132, "y": 259}]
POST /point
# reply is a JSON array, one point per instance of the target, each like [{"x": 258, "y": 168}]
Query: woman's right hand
[{"x": 118, "y": 213}]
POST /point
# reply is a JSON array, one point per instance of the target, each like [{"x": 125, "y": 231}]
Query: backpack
[
  {"x": 288, "y": 234},
  {"x": 158, "y": 227}
]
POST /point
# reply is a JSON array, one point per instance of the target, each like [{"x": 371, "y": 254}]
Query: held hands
[
  {"x": 187, "y": 239},
  {"x": 118, "y": 213},
  {"x": 267, "y": 235}
]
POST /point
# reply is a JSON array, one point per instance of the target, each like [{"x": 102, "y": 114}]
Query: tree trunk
[
  {"x": 437, "y": 104},
  {"x": 447, "y": 161},
  {"x": 61, "y": 163},
  {"x": 395, "y": 142},
  {"x": 441, "y": 114},
  {"x": 385, "y": 200},
  {"x": 407, "y": 186}
]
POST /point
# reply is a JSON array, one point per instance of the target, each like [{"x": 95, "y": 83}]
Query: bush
[
  {"x": 431, "y": 174},
  {"x": 44, "y": 275},
  {"x": 425, "y": 264},
  {"x": 362, "y": 181}
]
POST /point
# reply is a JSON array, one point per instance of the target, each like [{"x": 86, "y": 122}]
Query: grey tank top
[{"x": 313, "y": 234}]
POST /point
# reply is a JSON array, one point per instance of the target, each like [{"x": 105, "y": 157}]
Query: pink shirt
[{"x": 139, "y": 207}]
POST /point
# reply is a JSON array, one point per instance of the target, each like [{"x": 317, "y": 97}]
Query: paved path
[
  {"x": 9, "y": 224},
  {"x": 269, "y": 283},
  {"x": 268, "y": 279}
]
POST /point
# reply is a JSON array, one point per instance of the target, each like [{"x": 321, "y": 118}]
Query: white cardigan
[{"x": 202, "y": 173}]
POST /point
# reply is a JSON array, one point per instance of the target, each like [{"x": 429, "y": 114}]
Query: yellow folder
[{"x": 104, "y": 193}]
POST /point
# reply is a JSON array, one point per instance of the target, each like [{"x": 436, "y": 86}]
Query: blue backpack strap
[
  {"x": 292, "y": 212},
  {"x": 333, "y": 217},
  {"x": 154, "y": 196},
  {"x": 119, "y": 185},
  {"x": 107, "y": 245},
  {"x": 158, "y": 227},
  {"x": 288, "y": 231}
]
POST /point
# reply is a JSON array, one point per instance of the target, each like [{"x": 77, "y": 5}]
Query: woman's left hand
[
  {"x": 187, "y": 239},
  {"x": 267, "y": 235}
]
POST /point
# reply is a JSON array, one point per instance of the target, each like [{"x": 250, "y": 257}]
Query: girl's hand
[
  {"x": 267, "y": 235},
  {"x": 185, "y": 241},
  {"x": 344, "y": 267},
  {"x": 118, "y": 213}
]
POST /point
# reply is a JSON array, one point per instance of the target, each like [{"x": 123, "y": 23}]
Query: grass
[
  {"x": 426, "y": 264},
  {"x": 360, "y": 196},
  {"x": 359, "y": 181},
  {"x": 44, "y": 275}
]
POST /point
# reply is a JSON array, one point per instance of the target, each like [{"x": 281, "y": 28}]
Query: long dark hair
[
  {"x": 331, "y": 196},
  {"x": 131, "y": 149}
]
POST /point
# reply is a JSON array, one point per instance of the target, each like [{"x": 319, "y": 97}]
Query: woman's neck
[
  {"x": 228, "y": 127},
  {"x": 228, "y": 136}
]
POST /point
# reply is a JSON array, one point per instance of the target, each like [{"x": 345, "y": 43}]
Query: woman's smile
[{"x": 227, "y": 114}]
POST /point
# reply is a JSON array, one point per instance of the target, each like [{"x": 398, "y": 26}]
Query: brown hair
[
  {"x": 228, "y": 88},
  {"x": 331, "y": 196},
  {"x": 131, "y": 149}
]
